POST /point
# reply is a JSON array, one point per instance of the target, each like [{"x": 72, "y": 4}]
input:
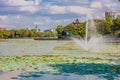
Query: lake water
[
  {"x": 12, "y": 47},
  {"x": 28, "y": 46}
]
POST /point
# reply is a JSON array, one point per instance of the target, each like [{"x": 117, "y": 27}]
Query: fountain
[{"x": 91, "y": 42}]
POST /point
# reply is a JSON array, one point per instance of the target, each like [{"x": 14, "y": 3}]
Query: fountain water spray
[{"x": 90, "y": 42}]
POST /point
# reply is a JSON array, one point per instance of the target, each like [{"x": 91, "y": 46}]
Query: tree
[
  {"x": 105, "y": 26},
  {"x": 1, "y": 34},
  {"x": 59, "y": 30},
  {"x": 76, "y": 30},
  {"x": 4, "y": 34},
  {"x": 40, "y": 34},
  {"x": 50, "y": 34},
  {"x": 11, "y": 35},
  {"x": 116, "y": 26}
]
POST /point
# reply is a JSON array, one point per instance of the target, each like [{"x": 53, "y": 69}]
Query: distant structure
[
  {"x": 118, "y": 15},
  {"x": 97, "y": 20},
  {"x": 2, "y": 28},
  {"x": 50, "y": 30},
  {"x": 37, "y": 29},
  {"x": 113, "y": 15},
  {"x": 77, "y": 22}
]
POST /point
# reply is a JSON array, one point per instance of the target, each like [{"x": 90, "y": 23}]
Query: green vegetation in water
[
  {"x": 11, "y": 63},
  {"x": 3, "y": 40},
  {"x": 68, "y": 46},
  {"x": 113, "y": 47},
  {"x": 35, "y": 66}
]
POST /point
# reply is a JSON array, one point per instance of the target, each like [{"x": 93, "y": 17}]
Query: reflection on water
[
  {"x": 27, "y": 46},
  {"x": 75, "y": 72},
  {"x": 64, "y": 76}
]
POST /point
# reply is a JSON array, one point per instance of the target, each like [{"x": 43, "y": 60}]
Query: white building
[
  {"x": 50, "y": 30},
  {"x": 113, "y": 15}
]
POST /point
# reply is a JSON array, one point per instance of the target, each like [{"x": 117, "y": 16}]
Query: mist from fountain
[{"x": 91, "y": 42}]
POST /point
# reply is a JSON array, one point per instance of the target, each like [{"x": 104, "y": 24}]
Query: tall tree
[
  {"x": 116, "y": 26},
  {"x": 105, "y": 26},
  {"x": 76, "y": 30},
  {"x": 60, "y": 30}
]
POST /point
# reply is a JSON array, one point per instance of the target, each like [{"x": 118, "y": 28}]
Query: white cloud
[
  {"x": 18, "y": 17},
  {"x": 38, "y": 23},
  {"x": 37, "y": 2},
  {"x": 96, "y": 4},
  {"x": 3, "y": 17},
  {"x": 57, "y": 9},
  {"x": 23, "y": 2},
  {"x": 80, "y": 10},
  {"x": 31, "y": 9}
]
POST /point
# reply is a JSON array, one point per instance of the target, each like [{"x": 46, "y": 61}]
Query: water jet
[{"x": 91, "y": 41}]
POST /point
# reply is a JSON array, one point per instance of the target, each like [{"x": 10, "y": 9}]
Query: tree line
[
  {"x": 25, "y": 33},
  {"x": 104, "y": 27}
]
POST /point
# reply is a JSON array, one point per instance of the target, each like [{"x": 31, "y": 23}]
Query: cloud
[
  {"x": 3, "y": 18},
  {"x": 23, "y": 2},
  {"x": 18, "y": 17},
  {"x": 72, "y": 1},
  {"x": 80, "y": 10},
  {"x": 57, "y": 9},
  {"x": 50, "y": 13},
  {"x": 38, "y": 23},
  {"x": 37, "y": 2},
  {"x": 31, "y": 9},
  {"x": 110, "y": 3},
  {"x": 96, "y": 4}
]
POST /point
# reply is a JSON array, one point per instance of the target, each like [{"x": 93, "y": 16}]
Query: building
[
  {"x": 77, "y": 22},
  {"x": 118, "y": 15},
  {"x": 97, "y": 20},
  {"x": 51, "y": 30},
  {"x": 2, "y": 28},
  {"x": 113, "y": 15}
]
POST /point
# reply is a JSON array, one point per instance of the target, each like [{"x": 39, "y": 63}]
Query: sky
[{"x": 50, "y": 13}]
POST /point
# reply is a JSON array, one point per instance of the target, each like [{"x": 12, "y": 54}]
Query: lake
[
  {"x": 72, "y": 70},
  {"x": 13, "y": 47}
]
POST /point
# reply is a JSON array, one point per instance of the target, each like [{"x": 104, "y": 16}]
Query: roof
[
  {"x": 77, "y": 22},
  {"x": 2, "y": 28}
]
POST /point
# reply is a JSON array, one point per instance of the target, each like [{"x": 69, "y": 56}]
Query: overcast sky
[{"x": 50, "y": 13}]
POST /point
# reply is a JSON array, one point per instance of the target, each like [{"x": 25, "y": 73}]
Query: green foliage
[
  {"x": 60, "y": 30},
  {"x": 105, "y": 26},
  {"x": 116, "y": 26},
  {"x": 4, "y": 34},
  {"x": 20, "y": 33},
  {"x": 50, "y": 34},
  {"x": 76, "y": 30},
  {"x": 40, "y": 34}
]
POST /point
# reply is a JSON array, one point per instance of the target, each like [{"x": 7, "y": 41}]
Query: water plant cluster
[
  {"x": 68, "y": 46},
  {"x": 36, "y": 66},
  {"x": 11, "y": 63}
]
